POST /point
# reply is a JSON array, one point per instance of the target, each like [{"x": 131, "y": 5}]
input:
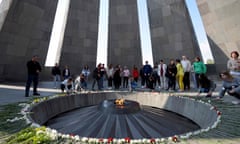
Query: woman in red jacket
[{"x": 135, "y": 73}]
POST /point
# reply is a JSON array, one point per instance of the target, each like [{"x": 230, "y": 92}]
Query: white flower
[
  {"x": 163, "y": 139},
  {"x": 157, "y": 140},
  {"x": 115, "y": 140},
  {"x": 169, "y": 138},
  {"x": 77, "y": 138},
  {"x": 196, "y": 132},
  {"x": 105, "y": 140},
  {"x": 84, "y": 139},
  {"x": 184, "y": 136}
]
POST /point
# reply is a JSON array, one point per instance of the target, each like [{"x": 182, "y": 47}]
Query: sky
[
  {"x": 199, "y": 30},
  {"x": 146, "y": 47}
]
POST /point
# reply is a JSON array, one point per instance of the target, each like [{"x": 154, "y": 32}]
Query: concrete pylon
[{"x": 28, "y": 25}]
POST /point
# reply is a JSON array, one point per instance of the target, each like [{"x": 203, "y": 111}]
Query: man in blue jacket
[{"x": 147, "y": 71}]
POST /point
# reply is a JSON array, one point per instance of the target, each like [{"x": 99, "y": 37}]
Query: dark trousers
[
  {"x": 172, "y": 82},
  {"x": 146, "y": 79},
  {"x": 93, "y": 84},
  {"x": 136, "y": 79},
  {"x": 237, "y": 95},
  {"x": 99, "y": 83},
  {"x": 63, "y": 87},
  {"x": 186, "y": 80},
  {"x": 142, "y": 80},
  {"x": 31, "y": 78},
  {"x": 110, "y": 81},
  {"x": 125, "y": 82},
  {"x": 197, "y": 79}
]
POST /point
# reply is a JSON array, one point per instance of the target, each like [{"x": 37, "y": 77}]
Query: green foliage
[
  {"x": 10, "y": 111},
  {"x": 30, "y": 135}
]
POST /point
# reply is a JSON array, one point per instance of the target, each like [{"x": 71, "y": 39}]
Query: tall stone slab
[
  {"x": 222, "y": 25},
  {"x": 81, "y": 35},
  {"x": 123, "y": 37},
  {"x": 26, "y": 31},
  {"x": 172, "y": 32}
]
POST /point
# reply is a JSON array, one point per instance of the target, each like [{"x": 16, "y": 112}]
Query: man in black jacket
[
  {"x": 56, "y": 73},
  {"x": 34, "y": 68}
]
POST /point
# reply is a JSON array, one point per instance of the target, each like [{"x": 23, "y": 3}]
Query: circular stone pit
[{"x": 198, "y": 112}]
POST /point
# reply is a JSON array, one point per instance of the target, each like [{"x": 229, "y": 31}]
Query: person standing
[
  {"x": 66, "y": 72},
  {"x": 56, "y": 73},
  {"x": 86, "y": 72},
  {"x": 180, "y": 75},
  {"x": 186, "y": 64},
  {"x": 233, "y": 64},
  {"x": 142, "y": 76},
  {"x": 126, "y": 74},
  {"x": 199, "y": 68},
  {"x": 171, "y": 74},
  {"x": 33, "y": 68},
  {"x": 109, "y": 73},
  {"x": 117, "y": 77},
  {"x": 162, "y": 68},
  {"x": 135, "y": 73},
  {"x": 155, "y": 76},
  {"x": 147, "y": 71}
]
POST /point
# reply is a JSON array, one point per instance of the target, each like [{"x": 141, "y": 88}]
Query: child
[
  {"x": 133, "y": 84},
  {"x": 151, "y": 83}
]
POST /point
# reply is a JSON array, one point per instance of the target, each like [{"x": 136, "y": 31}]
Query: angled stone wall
[
  {"x": 123, "y": 37},
  {"x": 81, "y": 34},
  {"x": 172, "y": 33},
  {"x": 25, "y": 32},
  {"x": 222, "y": 25}
]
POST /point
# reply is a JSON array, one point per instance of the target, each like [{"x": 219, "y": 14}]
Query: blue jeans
[
  {"x": 31, "y": 78},
  {"x": 56, "y": 80}
]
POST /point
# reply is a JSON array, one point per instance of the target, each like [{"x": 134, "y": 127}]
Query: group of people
[{"x": 164, "y": 76}]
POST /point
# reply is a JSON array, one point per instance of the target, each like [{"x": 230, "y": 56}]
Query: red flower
[
  {"x": 174, "y": 139},
  {"x": 219, "y": 113},
  {"x": 127, "y": 139},
  {"x": 110, "y": 140},
  {"x": 153, "y": 141}
]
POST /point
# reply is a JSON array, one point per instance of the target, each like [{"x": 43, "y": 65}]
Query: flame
[{"x": 119, "y": 101}]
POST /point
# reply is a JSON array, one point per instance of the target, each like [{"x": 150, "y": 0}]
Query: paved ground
[{"x": 14, "y": 92}]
